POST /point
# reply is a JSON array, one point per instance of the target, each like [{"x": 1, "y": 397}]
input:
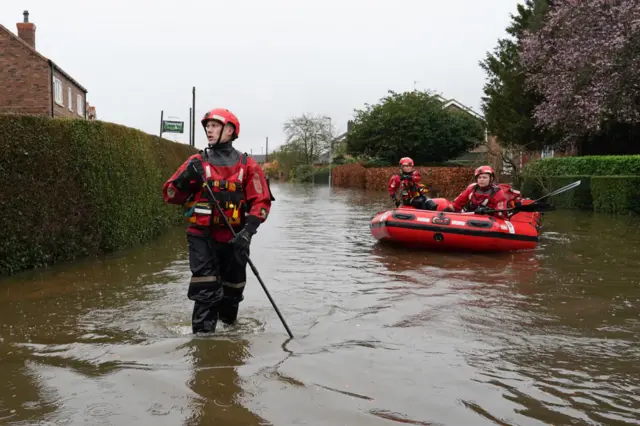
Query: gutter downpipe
[{"x": 52, "y": 86}]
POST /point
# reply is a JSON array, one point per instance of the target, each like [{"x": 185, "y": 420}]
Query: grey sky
[{"x": 265, "y": 60}]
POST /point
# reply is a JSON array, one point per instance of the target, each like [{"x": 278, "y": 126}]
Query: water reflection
[
  {"x": 215, "y": 380},
  {"x": 494, "y": 268}
]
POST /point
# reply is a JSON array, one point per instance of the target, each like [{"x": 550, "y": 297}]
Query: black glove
[
  {"x": 194, "y": 170},
  {"x": 242, "y": 240},
  {"x": 429, "y": 204},
  {"x": 395, "y": 200},
  {"x": 481, "y": 210}
]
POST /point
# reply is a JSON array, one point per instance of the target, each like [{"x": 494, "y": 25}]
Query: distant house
[
  {"x": 482, "y": 153},
  {"x": 33, "y": 84},
  {"x": 479, "y": 154},
  {"x": 322, "y": 160},
  {"x": 259, "y": 158},
  {"x": 487, "y": 153},
  {"x": 493, "y": 153}
]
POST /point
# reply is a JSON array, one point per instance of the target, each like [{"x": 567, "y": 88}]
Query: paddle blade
[
  {"x": 560, "y": 190},
  {"x": 535, "y": 207}
]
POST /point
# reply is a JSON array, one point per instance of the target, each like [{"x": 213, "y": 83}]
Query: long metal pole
[{"x": 330, "y": 153}]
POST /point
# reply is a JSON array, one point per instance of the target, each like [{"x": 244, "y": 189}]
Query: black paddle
[
  {"x": 253, "y": 268},
  {"x": 536, "y": 206}
]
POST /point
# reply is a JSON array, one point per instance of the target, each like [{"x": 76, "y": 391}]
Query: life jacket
[
  {"x": 409, "y": 186},
  {"x": 513, "y": 196},
  {"x": 472, "y": 204},
  {"x": 229, "y": 193}
]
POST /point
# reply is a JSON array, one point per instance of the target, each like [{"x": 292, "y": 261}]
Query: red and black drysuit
[{"x": 218, "y": 262}]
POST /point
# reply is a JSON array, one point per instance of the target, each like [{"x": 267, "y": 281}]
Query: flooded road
[{"x": 382, "y": 336}]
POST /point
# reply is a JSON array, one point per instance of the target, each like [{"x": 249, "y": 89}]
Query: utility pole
[
  {"x": 330, "y": 152},
  {"x": 266, "y": 157},
  {"x": 193, "y": 116},
  {"x": 190, "y": 125},
  {"x": 330, "y": 133}
]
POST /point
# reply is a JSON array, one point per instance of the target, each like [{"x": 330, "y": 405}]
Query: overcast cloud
[{"x": 265, "y": 60}]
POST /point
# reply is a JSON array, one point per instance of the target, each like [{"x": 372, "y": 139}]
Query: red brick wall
[
  {"x": 349, "y": 176},
  {"x": 25, "y": 84},
  {"x": 63, "y": 110},
  {"x": 27, "y": 32},
  {"x": 445, "y": 182}
]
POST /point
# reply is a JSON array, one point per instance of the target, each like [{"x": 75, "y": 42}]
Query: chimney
[{"x": 27, "y": 30}]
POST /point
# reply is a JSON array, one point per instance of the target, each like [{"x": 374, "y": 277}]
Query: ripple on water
[{"x": 383, "y": 335}]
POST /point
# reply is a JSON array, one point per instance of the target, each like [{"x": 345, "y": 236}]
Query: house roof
[
  {"x": 463, "y": 107},
  {"x": 448, "y": 102},
  {"x": 323, "y": 159},
  {"x": 44, "y": 58},
  {"x": 440, "y": 98},
  {"x": 340, "y": 137},
  {"x": 469, "y": 158}
]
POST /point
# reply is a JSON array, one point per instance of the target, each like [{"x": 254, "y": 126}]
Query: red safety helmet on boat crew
[
  {"x": 224, "y": 116},
  {"x": 406, "y": 161},
  {"x": 484, "y": 170}
]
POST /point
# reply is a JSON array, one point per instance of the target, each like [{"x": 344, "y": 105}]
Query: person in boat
[
  {"x": 482, "y": 195},
  {"x": 405, "y": 188},
  {"x": 218, "y": 261}
]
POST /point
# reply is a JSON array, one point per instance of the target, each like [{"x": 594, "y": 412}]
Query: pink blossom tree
[{"x": 585, "y": 62}]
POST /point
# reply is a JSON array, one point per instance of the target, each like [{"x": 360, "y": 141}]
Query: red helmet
[
  {"x": 484, "y": 170},
  {"x": 415, "y": 176},
  {"x": 406, "y": 161},
  {"x": 224, "y": 116}
]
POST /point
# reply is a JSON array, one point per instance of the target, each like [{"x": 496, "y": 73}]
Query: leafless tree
[{"x": 309, "y": 136}]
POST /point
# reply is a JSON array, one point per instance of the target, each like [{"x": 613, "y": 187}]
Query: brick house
[{"x": 33, "y": 84}]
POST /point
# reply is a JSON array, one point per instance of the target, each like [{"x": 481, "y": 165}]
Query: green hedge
[
  {"x": 577, "y": 198},
  {"x": 74, "y": 188},
  {"x": 321, "y": 175},
  {"x": 607, "y": 194},
  {"x": 596, "y": 172},
  {"x": 533, "y": 188},
  {"x": 596, "y": 165},
  {"x": 616, "y": 194}
]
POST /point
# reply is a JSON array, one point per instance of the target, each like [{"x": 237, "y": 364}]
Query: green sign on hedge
[{"x": 172, "y": 126}]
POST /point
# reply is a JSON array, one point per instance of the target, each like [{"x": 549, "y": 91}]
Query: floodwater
[{"x": 382, "y": 336}]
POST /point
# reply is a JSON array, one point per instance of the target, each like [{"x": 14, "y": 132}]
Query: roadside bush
[
  {"x": 75, "y": 188},
  {"x": 616, "y": 194}
]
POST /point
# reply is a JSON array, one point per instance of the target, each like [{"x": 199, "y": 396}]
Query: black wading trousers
[{"x": 217, "y": 283}]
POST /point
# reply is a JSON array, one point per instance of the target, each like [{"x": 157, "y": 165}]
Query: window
[
  {"x": 508, "y": 156},
  {"x": 70, "y": 98},
  {"x": 80, "y": 106},
  {"x": 57, "y": 91},
  {"x": 547, "y": 152}
]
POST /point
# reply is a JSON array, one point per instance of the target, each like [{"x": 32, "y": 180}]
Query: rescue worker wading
[
  {"x": 218, "y": 262},
  {"x": 407, "y": 185}
]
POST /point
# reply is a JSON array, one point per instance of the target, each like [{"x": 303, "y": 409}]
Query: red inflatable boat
[{"x": 456, "y": 231}]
